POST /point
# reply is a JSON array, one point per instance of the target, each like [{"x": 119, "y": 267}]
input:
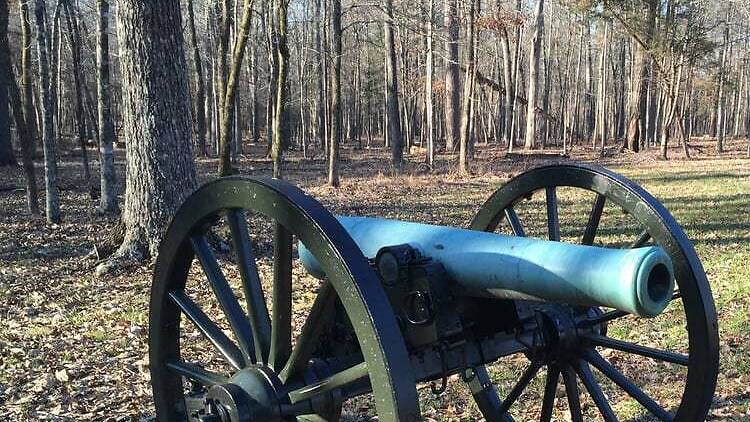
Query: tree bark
[
  {"x": 26, "y": 75},
  {"x": 7, "y": 78},
  {"x": 75, "y": 44},
  {"x": 156, "y": 121},
  {"x": 536, "y": 49},
  {"x": 452, "y": 76},
  {"x": 468, "y": 101},
  {"x": 108, "y": 178},
  {"x": 230, "y": 91},
  {"x": 7, "y": 155},
  {"x": 199, "y": 85},
  {"x": 429, "y": 74},
  {"x": 48, "y": 135},
  {"x": 224, "y": 18},
  {"x": 333, "y": 149},
  {"x": 282, "y": 59},
  {"x": 394, "y": 119}
]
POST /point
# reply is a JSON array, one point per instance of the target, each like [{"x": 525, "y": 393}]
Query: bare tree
[
  {"x": 429, "y": 74},
  {"x": 108, "y": 179},
  {"x": 199, "y": 85},
  {"x": 7, "y": 156},
  {"x": 392, "y": 104},
  {"x": 534, "y": 55},
  {"x": 333, "y": 157},
  {"x": 156, "y": 122},
  {"x": 229, "y": 91},
  {"x": 48, "y": 134},
  {"x": 452, "y": 69},
  {"x": 468, "y": 98},
  {"x": 282, "y": 59}
]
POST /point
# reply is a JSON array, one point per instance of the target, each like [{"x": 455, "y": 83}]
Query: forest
[{"x": 112, "y": 113}]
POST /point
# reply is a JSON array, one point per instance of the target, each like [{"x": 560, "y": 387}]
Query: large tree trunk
[
  {"x": 108, "y": 179},
  {"x": 536, "y": 49},
  {"x": 452, "y": 76},
  {"x": 333, "y": 149},
  {"x": 48, "y": 133},
  {"x": 200, "y": 85},
  {"x": 156, "y": 121},
  {"x": 394, "y": 119},
  {"x": 282, "y": 59}
]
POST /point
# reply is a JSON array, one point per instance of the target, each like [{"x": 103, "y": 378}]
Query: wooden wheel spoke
[
  {"x": 584, "y": 372},
  {"x": 333, "y": 382},
  {"x": 224, "y": 294},
  {"x": 550, "y": 389},
  {"x": 594, "y": 217},
  {"x": 515, "y": 223},
  {"x": 256, "y": 303},
  {"x": 520, "y": 386},
  {"x": 195, "y": 373},
  {"x": 644, "y": 237},
  {"x": 605, "y": 317},
  {"x": 281, "y": 323},
  {"x": 211, "y": 331},
  {"x": 628, "y": 386},
  {"x": 485, "y": 395},
  {"x": 571, "y": 390},
  {"x": 320, "y": 314},
  {"x": 553, "y": 219},
  {"x": 623, "y": 346}
]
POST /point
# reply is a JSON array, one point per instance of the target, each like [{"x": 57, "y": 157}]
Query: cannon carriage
[{"x": 401, "y": 304}]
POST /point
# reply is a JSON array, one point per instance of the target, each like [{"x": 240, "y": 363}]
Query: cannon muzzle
[{"x": 639, "y": 281}]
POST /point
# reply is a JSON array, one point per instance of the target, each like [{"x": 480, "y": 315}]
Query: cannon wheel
[
  {"x": 659, "y": 226},
  {"x": 267, "y": 382}
]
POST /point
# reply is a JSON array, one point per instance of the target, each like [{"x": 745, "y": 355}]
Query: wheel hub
[{"x": 250, "y": 396}]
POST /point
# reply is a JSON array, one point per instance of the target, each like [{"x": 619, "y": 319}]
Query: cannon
[{"x": 266, "y": 307}]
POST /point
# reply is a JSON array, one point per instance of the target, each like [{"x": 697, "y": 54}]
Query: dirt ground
[{"x": 73, "y": 346}]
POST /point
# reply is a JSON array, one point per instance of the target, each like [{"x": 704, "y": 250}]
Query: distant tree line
[{"x": 417, "y": 77}]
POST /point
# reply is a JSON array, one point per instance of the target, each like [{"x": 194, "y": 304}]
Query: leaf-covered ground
[{"x": 73, "y": 346}]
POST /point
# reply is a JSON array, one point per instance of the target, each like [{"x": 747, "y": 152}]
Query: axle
[{"x": 639, "y": 281}]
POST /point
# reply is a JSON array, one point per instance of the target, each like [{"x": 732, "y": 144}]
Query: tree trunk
[
  {"x": 108, "y": 182},
  {"x": 282, "y": 59},
  {"x": 7, "y": 78},
  {"x": 509, "y": 97},
  {"x": 600, "y": 127},
  {"x": 200, "y": 85},
  {"x": 452, "y": 69},
  {"x": 156, "y": 121},
  {"x": 48, "y": 135},
  {"x": 75, "y": 43},
  {"x": 429, "y": 74},
  {"x": 536, "y": 49},
  {"x": 26, "y": 75},
  {"x": 229, "y": 90},
  {"x": 468, "y": 102},
  {"x": 224, "y": 23},
  {"x": 7, "y": 156},
  {"x": 394, "y": 120},
  {"x": 333, "y": 149}
]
